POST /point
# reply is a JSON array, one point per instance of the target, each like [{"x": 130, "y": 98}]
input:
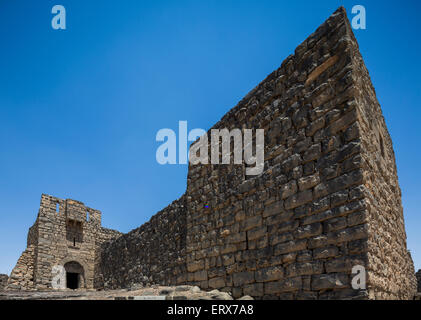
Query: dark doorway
[
  {"x": 72, "y": 280},
  {"x": 75, "y": 275}
]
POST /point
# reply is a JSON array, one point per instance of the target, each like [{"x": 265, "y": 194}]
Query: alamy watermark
[
  {"x": 59, "y": 277},
  {"x": 59, "y": 20},
  {"x": 360, "y": 19},
  {"x": 359, "y": 281},
  {"x": 199, "y": 151}
]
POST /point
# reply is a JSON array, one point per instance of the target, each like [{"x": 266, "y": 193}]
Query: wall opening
[
  {"x": 381, "y": 146},
  {"x": 75, "y": 275},
  {"x": 74, "y": 233},
  {"x": 72, "y": 280}
]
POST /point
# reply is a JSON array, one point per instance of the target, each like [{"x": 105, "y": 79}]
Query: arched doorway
[{"x": 75, "y": 275}]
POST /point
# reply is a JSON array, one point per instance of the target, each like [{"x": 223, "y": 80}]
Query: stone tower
[
  {"x": 328, "y": 199},
  {"x": 62, "y": 244}
]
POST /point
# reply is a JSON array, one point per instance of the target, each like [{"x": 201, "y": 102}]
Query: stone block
[{"x": 269, "y": 274}]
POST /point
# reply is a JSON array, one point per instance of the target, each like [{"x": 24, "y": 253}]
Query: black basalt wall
[{"x": 151, "y": 254}]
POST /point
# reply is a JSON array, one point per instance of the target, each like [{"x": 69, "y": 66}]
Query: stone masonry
[
  {"x": 3, "y": 281},
  {"x": 151, "y": 254},
  {"x": 66, "y": 233},
  {"x": 327, "y": 200}
]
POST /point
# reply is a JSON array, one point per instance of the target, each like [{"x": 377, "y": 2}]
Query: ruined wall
[
  {"x": 390, "y": 264},
  {"x": 328, "y": 198},
  {"x": 295, "y": 231},
  {"x": 151, "y": 254},
  {"x": 22, "y": 275},
  {"x": 3, "y": 281}
]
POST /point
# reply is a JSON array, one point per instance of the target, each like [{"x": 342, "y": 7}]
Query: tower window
[
  {"x": 381, "y": 146},
  {"x": 74, "y": 233}
]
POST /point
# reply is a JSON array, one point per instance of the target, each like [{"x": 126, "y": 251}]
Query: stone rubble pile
[{"x": 149, "y": 293}]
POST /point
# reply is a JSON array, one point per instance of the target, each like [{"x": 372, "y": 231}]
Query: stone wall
[
  {"x": 390, "y": 266},
  {"x": 328, "y": 198},
  {"x": 418, "y": 276},
  {"x": 295, "y": 231},
  {"x": 151, "y": 254},
  {"x": 22, "y": 276},
  {"x": 3, "y": 281}
]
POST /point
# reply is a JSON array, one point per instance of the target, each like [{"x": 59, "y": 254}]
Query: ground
[{"x": 150, "y": 293}]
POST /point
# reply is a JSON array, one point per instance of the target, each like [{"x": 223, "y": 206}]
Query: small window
[
  {"x": 87, "y": 215},
  {"x": 381, "y": 146},
  {"x": 57, "y": 207},
  {"x": 74, "y": 242}
]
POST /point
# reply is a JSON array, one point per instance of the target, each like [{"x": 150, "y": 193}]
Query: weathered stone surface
[
  {"x": 269, "y": 274},
  {"x": 329, "y": 281},
  {"x": 286, "y": 285},
  {"x": 288, "y": 189},
  {"x": 308, "y": 231},
  {"x": 3, "y": 281},
  {"x": 299, "y": 199},
  {"x": 242, "y": 278},
  {"x": 217, "y": 283},
  {"x": 255, "y": 289},
  {"x": 290, "y": 246},
  {"x": 308, "y": 182}
]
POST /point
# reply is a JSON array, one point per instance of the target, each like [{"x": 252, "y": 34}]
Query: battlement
[{"x": 73, "y": 210}]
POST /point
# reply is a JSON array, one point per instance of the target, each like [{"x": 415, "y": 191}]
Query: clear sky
[{"x": 80, "y": 108}]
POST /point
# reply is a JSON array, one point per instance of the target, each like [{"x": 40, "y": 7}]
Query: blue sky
[{"x": 80, "y": 108}]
